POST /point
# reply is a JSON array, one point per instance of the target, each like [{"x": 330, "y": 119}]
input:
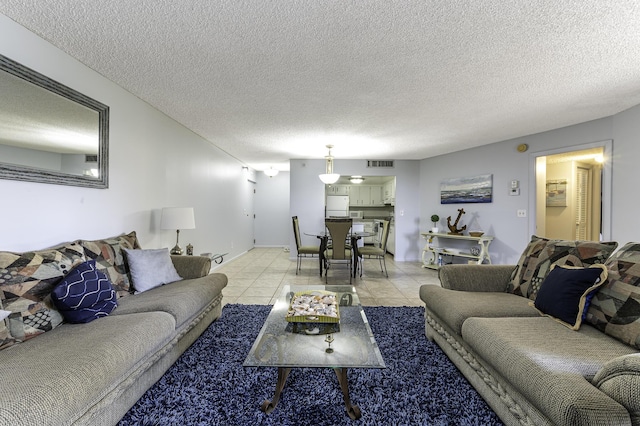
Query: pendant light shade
[
  {"x": 271, "y": 172},
  {"x": 329, "y": 177}
]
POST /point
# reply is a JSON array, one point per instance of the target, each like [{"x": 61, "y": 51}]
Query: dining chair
[
  {"x": 340, "y": 252},
  {"x": 302, "y": 251},
  {"x": 373, "y": 252}
]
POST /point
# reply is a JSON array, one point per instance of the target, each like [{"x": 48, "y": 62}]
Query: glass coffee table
[{"x": 340, "y": 346}]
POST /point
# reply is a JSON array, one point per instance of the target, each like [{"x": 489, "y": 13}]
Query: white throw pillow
[{"x": 151, "y": 268}]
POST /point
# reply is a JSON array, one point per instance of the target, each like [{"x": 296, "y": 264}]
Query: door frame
[{"x": 607, "y": 182}]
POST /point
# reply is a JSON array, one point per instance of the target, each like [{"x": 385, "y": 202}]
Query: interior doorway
[{"x": 573, "y": 193}]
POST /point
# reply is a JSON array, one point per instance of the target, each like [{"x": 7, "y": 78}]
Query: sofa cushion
[
  {"x": 64, "y": 372},
  {"x": 26, "y": 280},
  {"x": 85, "y": 294},
  {"x": 184, "y": 300},
  {"x": 615, "y": 307},
  {"x": 550, "y": 365},
  {"x": 6, "y": 339},
  {"x": 566, "y": 292},
  {"x": 453, "y": 307},
  {"x": 537, "y": 258},
  {"x": 109, "y": 258},
  {"x": 150, "y": 268}
]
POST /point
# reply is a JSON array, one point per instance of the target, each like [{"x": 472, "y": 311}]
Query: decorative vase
[{"x": 435, "y": 230}]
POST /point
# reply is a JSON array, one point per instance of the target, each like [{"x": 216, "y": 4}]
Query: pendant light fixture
[
  {"x": 271, "y": 172},
  {"x": 329, "y": 177}
]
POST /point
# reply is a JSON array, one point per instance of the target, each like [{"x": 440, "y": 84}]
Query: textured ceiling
[{"x": 267, "y": 81}]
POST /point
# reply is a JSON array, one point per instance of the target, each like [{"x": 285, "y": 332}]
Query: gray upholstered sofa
[
  {"x": 531, "y": 369},
  {"x": 91, "y": 374}
]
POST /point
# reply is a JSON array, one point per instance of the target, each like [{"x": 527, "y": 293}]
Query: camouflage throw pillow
[
  {"x": 26, "y": 281},
  {"x": 110, "y": 259},
  {"x": 6, "y": 339},
  {"x": 132, "y": 238},
  {"x": 541, "y": 253},
  {"x": 615, "y": 308}
]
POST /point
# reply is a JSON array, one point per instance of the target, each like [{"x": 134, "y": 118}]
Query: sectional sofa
[
  {"x": 53, "y": 372},
  {"x": 530, "y": 364}
]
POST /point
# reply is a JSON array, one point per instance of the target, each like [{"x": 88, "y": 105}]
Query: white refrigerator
[{"x": 337, "y": 205}]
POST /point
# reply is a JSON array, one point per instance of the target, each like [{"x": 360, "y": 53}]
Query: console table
[{"x": 430, "y": 252}]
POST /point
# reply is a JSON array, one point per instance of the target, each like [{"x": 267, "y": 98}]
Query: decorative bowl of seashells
[{"x": 314, "y": 306}]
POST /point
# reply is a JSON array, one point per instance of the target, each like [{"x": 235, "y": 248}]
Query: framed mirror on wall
[{"x": 50, "y": 133}]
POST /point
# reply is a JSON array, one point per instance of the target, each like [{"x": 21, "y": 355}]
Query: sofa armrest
[
  {"x": 620, "y": 380},
  {"x": 476, "y": 277},
  {"x": 190, "y": 267}
]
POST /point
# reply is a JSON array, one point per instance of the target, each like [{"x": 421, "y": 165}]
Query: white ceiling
[{"x": 267, "y": 81}]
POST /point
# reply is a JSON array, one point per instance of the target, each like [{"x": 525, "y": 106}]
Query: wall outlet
[{"x": 522, "y": 213}]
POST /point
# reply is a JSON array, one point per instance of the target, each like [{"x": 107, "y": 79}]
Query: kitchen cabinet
[
  {"x": 359, "y": 195},
  {"x": 365, "y": 195},
  {"x": 389, "y": 192},
  {"x": 337, "y": 189},
  {"x": 368, "y": 227},
  {"x": 376, "y": 196}
]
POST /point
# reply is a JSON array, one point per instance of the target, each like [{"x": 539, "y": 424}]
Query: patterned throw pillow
[
  {"x": 615, "y": 308},
  {"x": 133, "y": 239},
  {"x": 536, "y": 260},
  {"x": 26, "y": 280},
  {"x": 565, "y": 294},
  {"x": 85, "y": 294},
  {"x": 6, "y": 339},
  {"x": 110, "y": 259}
]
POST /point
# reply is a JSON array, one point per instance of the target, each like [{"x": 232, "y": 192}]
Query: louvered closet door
[{"x": 582, "y": 204}]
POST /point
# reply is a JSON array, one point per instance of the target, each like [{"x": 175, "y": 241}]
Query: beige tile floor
[{"x": 258, "y": 276}]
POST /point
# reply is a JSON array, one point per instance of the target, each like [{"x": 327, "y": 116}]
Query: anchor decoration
[{"x": 453, "y": 229}]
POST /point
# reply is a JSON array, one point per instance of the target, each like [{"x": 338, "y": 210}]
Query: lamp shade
[{"x": 178, "y": 218}]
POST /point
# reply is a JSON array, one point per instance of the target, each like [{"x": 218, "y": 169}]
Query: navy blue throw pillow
[
  {"x": 85, "y": 294},
  {"x": 566, "y": 292}
]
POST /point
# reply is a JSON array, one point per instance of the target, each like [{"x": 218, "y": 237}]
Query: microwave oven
[{"x": 355, "y": 214}]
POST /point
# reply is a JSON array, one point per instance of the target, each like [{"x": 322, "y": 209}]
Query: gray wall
[
  {"x": 506, "y": 163},
  {"x": 626, "y": 161},
  {"x": 154, "y": 162}
]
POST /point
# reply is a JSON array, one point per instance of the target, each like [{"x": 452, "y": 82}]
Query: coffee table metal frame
[{"x": 354, "y": 346}]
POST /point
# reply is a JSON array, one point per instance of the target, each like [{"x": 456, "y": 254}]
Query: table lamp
[{"x": 177, "y": 218}]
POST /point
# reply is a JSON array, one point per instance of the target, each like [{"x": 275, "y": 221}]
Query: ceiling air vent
[
  {"x": 380, "y": 163},
  {"x": 91, "y": 158}
]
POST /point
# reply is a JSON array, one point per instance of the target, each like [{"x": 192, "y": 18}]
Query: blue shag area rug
[{"x": 209, "y": 386}]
